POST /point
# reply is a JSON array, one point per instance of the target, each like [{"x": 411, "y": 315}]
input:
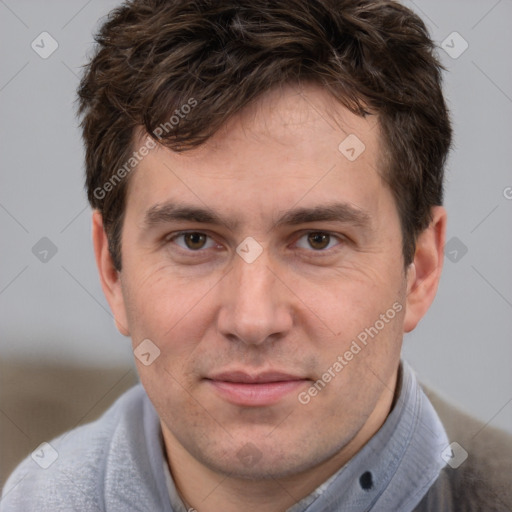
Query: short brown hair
[{"x": 154, "y": 56}]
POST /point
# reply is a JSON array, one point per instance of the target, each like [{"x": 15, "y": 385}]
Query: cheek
[
  {"x": 352, "y": 299},
  {"x": 164, "y": 307},
  {"x": 357, "y": 365},
  {"x": 172, "y": 313},
  {"x": 363, "y": 312}
]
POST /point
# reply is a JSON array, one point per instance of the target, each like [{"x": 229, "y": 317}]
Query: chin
[{"x": 267, "y": 461}]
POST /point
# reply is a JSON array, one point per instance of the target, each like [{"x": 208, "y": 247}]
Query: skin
[{"x": 296, "y": 308}]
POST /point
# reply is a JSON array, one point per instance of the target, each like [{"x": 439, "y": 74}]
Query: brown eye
[
  {"x": 191, "y": 241},
  {"x": 319, "y": 241},
  {"x": 194, "y": 241}
]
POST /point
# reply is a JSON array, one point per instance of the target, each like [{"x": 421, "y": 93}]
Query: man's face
[{"x": 322, "y": 266}]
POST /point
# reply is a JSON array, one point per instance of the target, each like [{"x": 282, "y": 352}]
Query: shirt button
[{"x": 366, "y": 481}]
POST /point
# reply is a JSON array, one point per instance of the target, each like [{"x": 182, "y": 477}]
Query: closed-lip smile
[{"x": 254, "y": 389}]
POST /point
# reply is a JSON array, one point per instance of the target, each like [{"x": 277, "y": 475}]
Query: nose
[{"x": 256, "y": 305}]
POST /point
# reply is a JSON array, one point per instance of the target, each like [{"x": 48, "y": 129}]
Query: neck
[{"x": 208, "y": 491}]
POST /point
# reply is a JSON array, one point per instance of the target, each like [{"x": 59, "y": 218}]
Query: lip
[{"x": 261, "y": 389}]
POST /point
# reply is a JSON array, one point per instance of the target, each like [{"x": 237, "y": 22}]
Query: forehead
[{"x": 292, "y": 142}]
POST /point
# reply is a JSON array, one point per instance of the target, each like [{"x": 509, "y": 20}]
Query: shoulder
[
  {"x": 478, "y": 477},
  {"x": 68, "y": 473}
]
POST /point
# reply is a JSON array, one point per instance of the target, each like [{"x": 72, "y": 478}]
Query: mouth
[{"x": 241, "y": 388}]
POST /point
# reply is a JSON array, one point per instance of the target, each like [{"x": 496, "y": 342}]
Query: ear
[
  {"x": 109, "y": 277},
  {"x": 425, "y": 271}
]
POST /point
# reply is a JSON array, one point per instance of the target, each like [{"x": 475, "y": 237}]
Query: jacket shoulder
[{"x": 478, "y": 473}]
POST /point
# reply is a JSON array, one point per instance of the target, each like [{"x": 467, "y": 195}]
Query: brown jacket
[{"x": 483, "y": 482}]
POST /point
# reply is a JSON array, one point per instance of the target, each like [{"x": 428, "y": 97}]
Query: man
[{"x": 266, "y": 180}]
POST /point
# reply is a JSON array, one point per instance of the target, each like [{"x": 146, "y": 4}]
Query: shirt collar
[{"x": 393, "y": 471}]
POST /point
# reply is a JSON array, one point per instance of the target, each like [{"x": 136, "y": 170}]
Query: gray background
[{"x": 55, "y": 311}]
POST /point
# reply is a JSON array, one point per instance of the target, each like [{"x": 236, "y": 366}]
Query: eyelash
[{"x": 318, "y": 253}]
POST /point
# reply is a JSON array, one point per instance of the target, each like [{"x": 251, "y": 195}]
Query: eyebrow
[{"x": 338, "y": 212}]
